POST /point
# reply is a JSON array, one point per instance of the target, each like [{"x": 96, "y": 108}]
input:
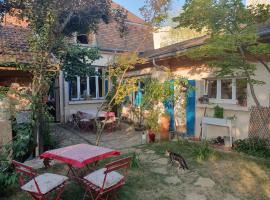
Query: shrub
[
  {"x": 203, "y": 151},
  {"x": 219, "y": 112},
  {"x": 19, "y": 149},
  {"x": 253, "y": 146}
]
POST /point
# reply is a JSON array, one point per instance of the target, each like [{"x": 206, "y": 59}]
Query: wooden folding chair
[
  {"x": 39, "y": 186},
  {"x": 106, "y": 181}
]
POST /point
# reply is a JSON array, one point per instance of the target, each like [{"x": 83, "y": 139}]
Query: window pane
[
  {"x": 83, "y": 87},
  {"x": 212, "y": 89},
  {"x": 241, "y": 91},
  {"x": 92, "y": 81},
  {"x": 226, "y": 89},
  {"x": 73, "y": 89},
  {"x": 100, "y": 83}
]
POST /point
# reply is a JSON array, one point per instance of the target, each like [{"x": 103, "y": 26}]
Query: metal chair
[
  {"x": 75, "y": 121},
  {"x": 39, "y": 186},
  {"x": 106, "y": 181}
]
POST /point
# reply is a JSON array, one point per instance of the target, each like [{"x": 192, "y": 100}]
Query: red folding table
[{"x": 80, "y": 155}]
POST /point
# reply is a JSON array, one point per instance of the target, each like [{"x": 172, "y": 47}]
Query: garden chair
[
  {"x": 39, "y": 186},
  {"x": 108, "y": 180},
  {"x": 75, "y": 121}
]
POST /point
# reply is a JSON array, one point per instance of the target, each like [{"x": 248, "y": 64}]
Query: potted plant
[{"x": 152, "y": 125}]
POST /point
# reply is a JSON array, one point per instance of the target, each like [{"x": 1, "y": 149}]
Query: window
[
  {"x": 212, "y": 89},
  {"x": 82, "y": 39},
  {"x": 86, "y": 88},
  {"x": 227, "y": 90}
]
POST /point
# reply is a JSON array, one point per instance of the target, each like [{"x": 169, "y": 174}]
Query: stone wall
[{"x": 5, "y": 132}]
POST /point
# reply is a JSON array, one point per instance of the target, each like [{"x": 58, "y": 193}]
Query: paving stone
[
  {"x": 195, "y": 196},
  {"x": 161, "y": 161},
  {"x": 172, "y": 180},
  {"x": 160, "y": 170},
  {"x": 231, "y": 197},
  {"x": 150, "y": 151},
  {"x": 37, "y": 163},
  {"x": 204, "y": 182}
]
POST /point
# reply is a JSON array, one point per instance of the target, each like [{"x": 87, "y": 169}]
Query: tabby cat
[{"x": 174, "y": 157}]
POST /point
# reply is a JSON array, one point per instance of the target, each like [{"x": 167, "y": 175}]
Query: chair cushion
[
  {"x": 97, "y": 178},
  {"x": 46, "y": 183}
]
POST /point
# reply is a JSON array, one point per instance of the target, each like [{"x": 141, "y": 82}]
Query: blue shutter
[
  {"x": 106, "y": 87},
  {"x": 169, "y": 107},
  {"x": 190, "y": 110}
]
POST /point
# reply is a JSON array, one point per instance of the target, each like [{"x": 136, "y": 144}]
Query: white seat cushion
[
  {"x": 46, "y": 183},
  {"x": 97, "y": 178}
]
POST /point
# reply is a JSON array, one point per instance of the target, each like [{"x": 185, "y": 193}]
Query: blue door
[
  {"x": 169, "y": 107},
  {"x": 190, "y": 112}
]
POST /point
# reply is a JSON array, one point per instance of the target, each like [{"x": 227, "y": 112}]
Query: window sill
[
  {"x": 226, "y": 106},
  {"x": 94, "y": 101}
]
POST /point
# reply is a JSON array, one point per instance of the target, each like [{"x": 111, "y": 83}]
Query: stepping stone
[
  {"x": 172, "y": 180},
  {"x": 161, "y": 170},
  {"x": 150, "y": 151},
  {"x": 195, "y": 196},
  {"x": 161, "y": 161},
  {"x": 205, "y": 182},
  {"x": 231, "y": 197}
]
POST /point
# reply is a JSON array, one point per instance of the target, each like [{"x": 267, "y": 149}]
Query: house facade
[
  {"x": 87, "y": 93},
  {"x": 230, "y": 93}
]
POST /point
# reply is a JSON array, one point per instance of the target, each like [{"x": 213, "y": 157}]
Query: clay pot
[{"x": 164, "y": 127}]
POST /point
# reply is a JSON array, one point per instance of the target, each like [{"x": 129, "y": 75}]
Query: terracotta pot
[
  {"x": 151, "y": 136},
  {"x": 164, "y": 127}
]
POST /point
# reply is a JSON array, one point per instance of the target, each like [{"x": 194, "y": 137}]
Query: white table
[{"x": 216, "y": 122}]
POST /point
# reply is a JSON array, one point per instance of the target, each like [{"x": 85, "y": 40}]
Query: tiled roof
[
  {"x": 175, "y": 48},
  {"x": 14, "y": 45},
  {"x": 139, "y": 38}
]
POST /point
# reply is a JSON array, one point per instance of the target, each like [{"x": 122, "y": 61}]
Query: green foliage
[
  {"x": 155, "y": 12},
  {"x": 78, "y": 61},
  {"x": 22, "y": 143},
  {"x": 218, "y": 112},
  {"x": 151, "y": 120},
  {"x": 135, "y": 163},
  {"x": 18, "y": 149},
  {"x": 203, "y": 151},
  {"x": 232, "y": 36},
  {"x": 254, "y": 146}
]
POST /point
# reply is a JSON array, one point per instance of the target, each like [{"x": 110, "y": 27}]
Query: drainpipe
[{"x": 163, "y": 68}]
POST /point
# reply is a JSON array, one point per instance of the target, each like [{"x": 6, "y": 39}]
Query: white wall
[{"x": 70, "y": 107}]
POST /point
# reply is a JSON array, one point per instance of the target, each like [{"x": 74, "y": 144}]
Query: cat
[{"x": 174, "y": 157}]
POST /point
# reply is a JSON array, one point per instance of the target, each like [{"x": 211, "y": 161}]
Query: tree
[{"x": 233, "y": 41}]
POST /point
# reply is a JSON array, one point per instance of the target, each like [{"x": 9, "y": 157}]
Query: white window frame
[
  {"x": 88, "y": 87},
  {"x": 218, "y": 99}
]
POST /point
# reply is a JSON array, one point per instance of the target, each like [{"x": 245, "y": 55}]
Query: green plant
[
  {"x": 218, "y": 112},
  {"x": 203, "y": 151},
  {"x": 135, "y": 163},
  {"x": 254, "y": 146},
  {"x": 20, "y": 148},
  {"x": 151, "y": 121}
]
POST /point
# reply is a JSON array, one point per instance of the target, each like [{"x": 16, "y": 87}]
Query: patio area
[{"x": 125, "y": 137}]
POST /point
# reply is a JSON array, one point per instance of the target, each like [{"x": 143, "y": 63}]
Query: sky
[{"x": 134, "y": 5}]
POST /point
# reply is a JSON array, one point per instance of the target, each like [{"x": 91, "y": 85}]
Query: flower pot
[
  {"x": 164, "y": 127},
  {"x": 151, "y": 136}
]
